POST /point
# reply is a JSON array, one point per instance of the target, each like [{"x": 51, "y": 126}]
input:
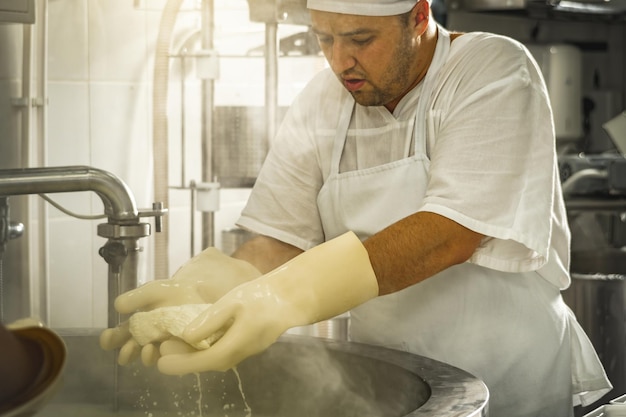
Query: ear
[{"x": 420, "y": 15}]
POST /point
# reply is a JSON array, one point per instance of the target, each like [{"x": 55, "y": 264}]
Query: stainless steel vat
[
  {"x": 239, "y": 144},
  {"x": 297, "y": 376},
  {"x": 336, "y": 328},
  {"x": 597, "y": 297}
]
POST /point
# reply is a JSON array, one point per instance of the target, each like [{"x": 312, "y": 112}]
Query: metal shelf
[{"x": 595, "y": 204}]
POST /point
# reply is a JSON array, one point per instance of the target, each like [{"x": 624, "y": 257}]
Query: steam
[
  {"x": 328, "y": 383},
  {"x": 298, "y": 376}
]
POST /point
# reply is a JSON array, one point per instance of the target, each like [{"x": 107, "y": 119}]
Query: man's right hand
[{"x": 202, "y": 280}]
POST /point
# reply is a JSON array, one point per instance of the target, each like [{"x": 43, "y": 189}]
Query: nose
[{"x": 341, "y": 58}]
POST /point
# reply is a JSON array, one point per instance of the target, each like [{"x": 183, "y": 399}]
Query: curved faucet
[
  {"x": 119, "y": 203},
  {"x": 123, "y": 229}
]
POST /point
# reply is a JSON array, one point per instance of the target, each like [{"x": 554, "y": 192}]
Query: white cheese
[{"x": 162, "y": 323}]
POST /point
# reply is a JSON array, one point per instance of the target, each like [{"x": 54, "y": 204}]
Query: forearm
[
  {"x": 266, "y": 253},
  {"x": 418, "y": 247},
  {"x": 403, "y": 254}
]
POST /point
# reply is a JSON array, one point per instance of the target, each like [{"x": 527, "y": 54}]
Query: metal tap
[
  {"x": 8, "y": 229},
  {"x": 122, "y": 230}
]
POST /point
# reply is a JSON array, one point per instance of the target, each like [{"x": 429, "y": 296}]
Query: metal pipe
[
  {"x": 607, "y": 205},
  {"x": 569, "y": 184},
  {"x": 192, "y": 216},
  {"x": 160, "y": 138},
  {"x": 271, "y": 81},
  {"x": 183, "y": 136},
  {"x": 207, "y": 32},
  {"x": 39, "y": 282},
  {"x": 122, "y": 230},
  {"x": 122, "y": 255},
  {"x": 119, "y": 203},
  {"x": 27, "y": 57}
]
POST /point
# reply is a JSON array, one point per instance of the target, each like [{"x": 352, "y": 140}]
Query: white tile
[
  {"x": 120, "y": 139},
  {"x": 118, "y": 41},
  {"x": 67, "y": 40},
  {"x": 180, "y": 234},
  {"x": 80, "y": 203},
  {"x": 68, "y": 124},
  {"x": 70, "y": 280}
]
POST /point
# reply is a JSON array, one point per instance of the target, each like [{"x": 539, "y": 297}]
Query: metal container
[
  {"x": 233, "y": 238},
  {"x": 240, "y": 144},
  {"x": 336, "y": 328},
  {"x": 296, "y": 376},
  {"x": 597, "y": 297}
]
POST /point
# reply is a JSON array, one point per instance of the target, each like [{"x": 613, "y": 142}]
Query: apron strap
[
  {"x": 439, "y": 58},
  {"x": 419, "y": 125},
  {"x": 341, "y": 134}
]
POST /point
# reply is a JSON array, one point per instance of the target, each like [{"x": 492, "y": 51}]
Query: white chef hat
[{"x": 363, "y": 7}]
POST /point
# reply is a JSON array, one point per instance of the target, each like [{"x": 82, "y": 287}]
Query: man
[{"x": 419, "y": 177}]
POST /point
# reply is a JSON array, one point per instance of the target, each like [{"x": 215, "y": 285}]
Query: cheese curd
[{"x": 165, "y": 322}]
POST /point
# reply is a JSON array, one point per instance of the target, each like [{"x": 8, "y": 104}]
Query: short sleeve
[
  {"x": 283, "y": 202},
  {"x": 492, "y": 151}
]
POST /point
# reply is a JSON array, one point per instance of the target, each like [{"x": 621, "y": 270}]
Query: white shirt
[
  {"x": 490, "y": 141},
  {"x": 492, "y": 168}
]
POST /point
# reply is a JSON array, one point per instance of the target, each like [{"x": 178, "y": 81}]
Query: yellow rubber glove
[
  {"x": 319, "y": 284},
  {"x": 203, "y": 279}
]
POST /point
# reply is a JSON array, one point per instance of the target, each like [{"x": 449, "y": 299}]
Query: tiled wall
[
  {"x": 99, "y": 104},
  {"x": 100, "y": 66}
]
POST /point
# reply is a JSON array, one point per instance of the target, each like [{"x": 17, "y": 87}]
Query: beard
[{"x": 394, "y": 82}]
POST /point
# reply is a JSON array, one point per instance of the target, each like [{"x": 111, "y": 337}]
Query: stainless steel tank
[
  {"x": 239, "y": 144},
  {"x": 597, "y": 297},
  {"x": 297, "y": 376}
]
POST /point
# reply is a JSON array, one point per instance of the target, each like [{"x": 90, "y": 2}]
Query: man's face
[{"x": 375, "y": 58}]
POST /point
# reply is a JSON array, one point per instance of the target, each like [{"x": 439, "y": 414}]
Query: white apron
[{"x": 511, "y": 330}]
